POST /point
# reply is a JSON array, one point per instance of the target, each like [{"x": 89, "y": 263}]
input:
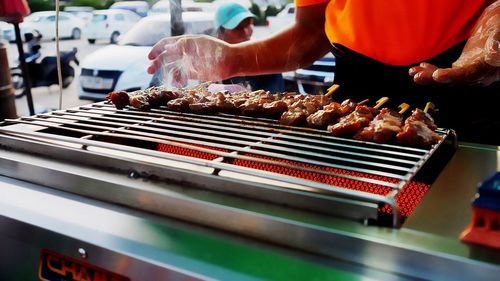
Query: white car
[
  {"x": 123, "y": 66},
  {"x": 109, "y": 24},
  {"x": 163, "y": 7},
  {"x": 45, "y": 24}
]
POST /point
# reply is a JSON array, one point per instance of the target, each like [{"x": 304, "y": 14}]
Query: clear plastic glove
[
  {"x": 479, "y": 63},
  {"x": 197, "y": 57}
]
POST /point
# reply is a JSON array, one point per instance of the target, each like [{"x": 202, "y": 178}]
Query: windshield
[
  {"x": 146, "y": 33},
  {"x": 33, "y": 18}
]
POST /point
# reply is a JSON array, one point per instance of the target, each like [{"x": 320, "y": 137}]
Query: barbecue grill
[{"x": 296, "y": 187}]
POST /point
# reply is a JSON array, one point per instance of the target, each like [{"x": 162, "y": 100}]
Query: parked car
[
  {"x": 163, "y": 7},
  {"x": 141, "y": 8},
  {"x": 123, "y": 66},
  {"x": 282, "y": 19},
  {"x": 109, "y": 24},
  {"x": 45, "y": 24}
]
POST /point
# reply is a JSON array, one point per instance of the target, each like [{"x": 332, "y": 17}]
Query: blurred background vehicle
[
  {"x": 45, "y": 24},
  {"x": 43, "y": 71},
  {"x": 82, "y": 12},
  {"x": 141, "y": 8},
  {"x": 163, "y": 7},
  {"x": 123, "y": 66},
  {"x": 109, "y": 24}
]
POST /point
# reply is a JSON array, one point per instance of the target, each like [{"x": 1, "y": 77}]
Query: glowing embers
[
  {"x": 184, "y": 150},
  {"x": 407, "y": 199}
]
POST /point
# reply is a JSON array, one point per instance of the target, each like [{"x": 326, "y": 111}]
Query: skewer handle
[
  {"x": 363, "y": 101},
  {"x": 403, "y": 107},
  {"x": 332, "y": 90},
  {"x": 381, "y": 102},
  {"x": 429, "y": 105}
]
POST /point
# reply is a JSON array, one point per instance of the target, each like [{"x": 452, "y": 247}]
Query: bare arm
[
  {"x": 207, "y": 58},
  {"x": 479, "y": 62}
]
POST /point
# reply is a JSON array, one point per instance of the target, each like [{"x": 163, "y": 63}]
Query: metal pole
[
  {"x": 24, "y": 68},
  {"x": 7, "y": 97},
  {"x": 176, "y": 24}
]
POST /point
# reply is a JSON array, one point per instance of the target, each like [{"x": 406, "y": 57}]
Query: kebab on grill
[
  {"x": 356, "y": 120},
  {"x": 384, "y": 127},
  {"x": 143, "y": 99},
  {"x": 330, "y": 113},
  {"x": 419, "y": 129}
]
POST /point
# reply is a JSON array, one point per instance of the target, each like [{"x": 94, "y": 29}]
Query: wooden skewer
[
  {"x": 381, "y": 102},
  {"x": 332, "y": 89},
  {"x": 403, "y": 107},
  {"x": 363, "y": 101},
  {"x": 429, "y": 105}
]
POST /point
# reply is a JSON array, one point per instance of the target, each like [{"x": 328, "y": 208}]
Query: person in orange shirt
[{"x": 445, "y": 51}]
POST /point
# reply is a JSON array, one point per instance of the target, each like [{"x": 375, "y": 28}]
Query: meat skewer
[
  {"x": 151, "y": 97},
  {"x": 354, "y": 121},
  {"x": 384, "y": 126},
  {"x": 299, "y": 110},
  {"x": 330, "y": 113},
  {"x": 419, "y": 129}
]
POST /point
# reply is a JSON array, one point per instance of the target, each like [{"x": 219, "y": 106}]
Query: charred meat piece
[
  {"x": 146, "y": 99},
  {"x": 352, "y": 123},
  {"x": 299, "y": 110},
  {"x": 274, "y": 109},
  {"x": 119, "y": 99},
  {"x": 330, "y": 113},
  {"x": 418, "y": 130},
  {"x": 382, "y": 128}
]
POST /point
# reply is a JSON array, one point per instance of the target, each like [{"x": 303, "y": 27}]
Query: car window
[
  {"x": 291, "y": 10},
  {"x": 119, "y": 17},
  {"x": 63, "y": 18},
  {"x": 98, "y": 18},
  {"x": 50, "y": 18}
]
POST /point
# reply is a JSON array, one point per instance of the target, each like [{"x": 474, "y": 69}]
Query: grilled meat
[
  {"x": 299, "y": 110},
  {"x": 353, "y": 122},
  {"x": 330, "y": 113},
  {"x": 147, "y": 99},
  {"x": 418, "y": 130},
  {"x": 382, "y": 128}
]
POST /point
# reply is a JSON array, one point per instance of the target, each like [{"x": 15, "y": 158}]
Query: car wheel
[
  {"x": 76, "y": 33},
  {"x": 114, "y": 37},
  {"x": 91, "y": 41}
]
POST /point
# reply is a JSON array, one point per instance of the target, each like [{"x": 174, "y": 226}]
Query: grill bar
[
  {"x": 217, "y": 130},
  {"x": 156, "y": 136},
  {"x": 271, "y": 126}
]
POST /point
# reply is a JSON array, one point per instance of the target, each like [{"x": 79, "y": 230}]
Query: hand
[
  {"x": 479, "y": 63},
  {"x": 197, "y": 57}
]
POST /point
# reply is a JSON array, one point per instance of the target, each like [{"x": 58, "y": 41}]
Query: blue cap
[{"x": 229, "y": 15}]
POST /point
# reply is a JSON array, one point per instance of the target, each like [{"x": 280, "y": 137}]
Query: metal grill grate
[{"x": 305, "y": 163}]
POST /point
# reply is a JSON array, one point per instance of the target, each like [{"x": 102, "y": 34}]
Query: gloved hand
[
  {"x": 197, "y": 57},
  {"x": 479, "y": 63}
]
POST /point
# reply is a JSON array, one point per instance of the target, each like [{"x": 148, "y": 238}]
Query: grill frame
[{"x": 355, "y": 205}]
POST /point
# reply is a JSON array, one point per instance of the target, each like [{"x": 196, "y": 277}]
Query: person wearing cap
[
  {"x": 234, "y": 24},
  {"x": 446, "y": 52}
]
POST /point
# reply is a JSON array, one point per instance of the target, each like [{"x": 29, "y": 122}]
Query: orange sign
[{"x": 54, "y": 266}]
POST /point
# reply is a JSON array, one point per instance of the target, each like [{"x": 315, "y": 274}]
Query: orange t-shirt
[{"x": 399, "y": 32}]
